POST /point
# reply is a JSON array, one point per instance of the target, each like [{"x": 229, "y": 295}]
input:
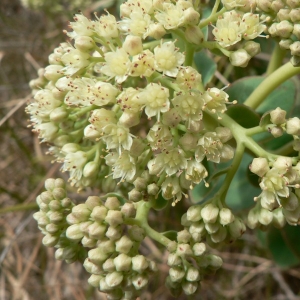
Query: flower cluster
[{"x": 280, "y": 183}]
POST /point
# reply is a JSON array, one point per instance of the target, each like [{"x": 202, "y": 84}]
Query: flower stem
[
  {"x": 20, "y": 207},
  {"x": 211, "y": 18},
  {"x": 276, "y": 59},
  {"x": 270, "y": 83}
]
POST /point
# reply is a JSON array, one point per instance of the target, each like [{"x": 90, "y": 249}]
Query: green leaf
[
  {"x": 171, "y": 234},
  {"x": 159, "y": 203},
  {"x": 284, "y": 96},
  {"x": 243, "y": 115},
  {"x": 205, "y": 14},
  {"x": 284, "y": 245},
  {"x": 205, "y": 66},
  {"x": 242, "y": 191}
]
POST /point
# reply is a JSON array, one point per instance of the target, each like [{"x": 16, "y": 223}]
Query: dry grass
[{"x": 28, "y": 270}]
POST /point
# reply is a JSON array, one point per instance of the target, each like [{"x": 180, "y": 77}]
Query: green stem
[
  {"x": 20, "y": 207},
  {"x": 232, "y": 171},
  {"x": 211, "y": 18},
  {"x": 254, "y": 130},
  {"x": 270, "y": 83},
  {"x": 141, "y": 219},
  {"x": 189, "y": 54},
  {"x": 276, "y": 59}
]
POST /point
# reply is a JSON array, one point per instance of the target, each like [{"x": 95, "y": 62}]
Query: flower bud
[
  {"x": 97, "y": 256},
  {"x": 97, "y": 230},
  {"x": 176, "y": 274},
  {"x": 55, "y": 217},
  {"x": 109, "y": 265},
  {"x": 277, "y": 5},
  {"x": 291, "y": 203},
  {"x": 92, "y": 202},
  {"x": 124, "y": 244},
  {"x": 283, "y": 163},
  {"x": 265, "y": 217},
  {"x": 81, "y": 212},
  {"x": 74, "y": 233},
  {"x": 112, "y": 203},
  {"x": 171, "y": 118},
  {"x": 194, "y": 35},
  {"x": 209, "y": 213},
  {"x": 194, "y": 213},
  {"x": 94, "y": 280},
  {"x": 190, "y": 288},
  {"x": 136, "y": 233},
  {"x": 50, "y": 240},
  {"x": 140, "y": 184},
  {"x": 188, "y": 142},
  {"x": 58, "y": 114},
  {"x": 46, "y": 197},
  {"x": 152, "y": 189},
  {"x": 239, "y": 58},
  {"x": 114, "y": 218},
  {"x": 50, "y": 184},
  {"x": 276, "y": 131},
  {"x": 292, "y": 217},
  {"x": 174, "y": 260},
  {"x": 53, "y": 72},
  {"x": 88, "y": 242},
  {"x": 54, "y": 205},
  {"x": 184, "y": 220},
  {"x": 122, "y": 263},
  {"x": 133, "y": 45},
  {"x": 156, "y": 31},
  {"x": 184, "y": 250},
  {"x": 139, "y": 263},
  {"x": 139, "y": 281},
  {"x": 284, "y": 29},
  {"x": 278, "y": 116},
  {"x": 59, "y": 193},
  {"x": 219, "y": 236},
  {"x": 259, "y": 166},
  {"x": 183, "y": 236},
  {"x": 84, "y": 43},
  {"x": 283, "y": 14},
  {"x": 172, "y": 246},
  {"x": 134, "y": 195},
  {"x": 91, "y": 169},
  {"x": 199, "y": 249},
  {"x": 215, "y": 262},
  {"x": 129, "y": 119},
  {"x": 292, "y": 3},
  {"x": 296, "y": 30},
  {"x": 236, "y": 228},
  {"x": 212, "y": 227},
  {"x": 128, "y": 210},
  {"x": 91, "y": 267},
  {"x": 99, "y": 213},
  {"x": 226, "y": 216},
  {"x": 285, "y": 43},
  {"x": 114, "y": 279},
  {"x": 192, "y": 274},
  {"x": 252, "y": 48},
  {"x": 114, "y": 233},
  {"x": 295, "y": 48}
]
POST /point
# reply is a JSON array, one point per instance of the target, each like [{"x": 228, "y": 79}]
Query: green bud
[
  {"x": 124, "y": 244},
  {"x": 74, "y": 233},
  {"x": 278, "y": 116},
  {"x": 184, "y": 220},
  {"x": 278, "y": 218},
  {"x": 140, "y": 184},
  {"x": 199, "y": 249},
  {"x": 122, "y": 263},
  {"x": 55, "y": 217},
  {"x": 190, "y": 288},
  {"x": 46, "y": 197},
  {"x": 66, "y": 203},
  {"x": 277, "y": 5},
  {"x": 135, "y": 196},
  {"x": 293, "y": 3},
  {"x": 276, "y": 131},
  {"x": 139, "y": 281},
  {"x": 295, "y": 48},
  {"x": 194, "y": 213},
  {"x": 114, "y": 279},
  {"x": 171, "y": 118},
  {"x": 212, "y": 227},
  {"x": 112, "y": 203},
  {"x": 237, "y": 228},
  {"x": 285, "y": 43},
  {"x": 192, "y": 274},
  {"x": 152, "y": 189},
  {"x": 292, "y": 217},
  {"x": 284, "y": 29},
  {"x": 283, "y": 14},
  {"x": 136, "y": 233},
  {"x": 99, "y": 213},
  {"x": 283, "y": 163},
  {"x": 84, "y": 227},
  {"x": 291, "y": 203},
  {"x": 296, "y": 30},
  {"x": 59, "y": 114},
  {"x": 139, "y": 263},
  {"x": 109, "y": 265},
  {"x": 215, "y": 262},
  {"x": 114, "y": 233},
  {"x": 265, "y": 217},
  {"x": 194, "y": 35},
  {"x": 91, "y": 169},
  {"x": 50, "y": 240},
  {"x": 92, "y": 202},
  {"x": 209, "y": 213},
  {"x": 252, "y": 48},
  {"x": 176, "y": 274},
  {"x": 104, "y": 287},
  {"x": 264, "y": 5},
  {"x": 53, "y": 228},
  {"x": 94, "y": 280},
  {"x": 114, "y": 218},
  {"x": 219, "y": 236}
]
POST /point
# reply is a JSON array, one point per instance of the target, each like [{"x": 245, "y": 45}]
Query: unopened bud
[
  {"x": 174, "y": 260},
  {"x": 252, "y": 48},
  {"x": 53, "y": 72},
  {"x": 283, "y": 163},
  {"x": 192, "y": 274},
  {"x": 184, "y": 250},
  {"x": 74, "y": 233},
  {"x": 54, "y": 205},
  {"x": 259, "y": 166},
  {"x": 136, "y": 233},
  {"x": 284, "y": 29},
  {"x": 124, "y": 244},
  {"x": 236, "y": 228},
  {"x": 114, "y": 218},
  {"x": 50, "y": 240},
  {"x": 184, "y": 220},
  {"x": 277, "y": 131},
  {"x": 109, "y": 265},
  {"x": 133, "y": 45},
  {"x": 81, "y": 212},
  {"x": 239, "y": 58},
  {"x": 97, "y": 230},
  {"x": 139, "y": 263},
  {"x": 212, "y": 227},
  {"x": 209, "y": 213},
  {"x": 94, "y": 280},
  {"x": 139, "y": 281},
  {"x": 59, "y": 193},
  {"x": 291, "y": 203},
  {"x": 128, "y": 210},
  {"x": 84, "y": 43},
  {"x": 152, "y": 189},
  {"x": 199, "y": 249},
  {"x": 183, "y": 236},
  {"x": 114, "y": 279},
  {"x": 190, "y": 288},
  {"x": 91, "y": 169},
  {"x": 194, "y": 35},
  {"x": 283, "y": 14},
  {"x": 134, "y": 195},
  {"x": 114, "y": 233},
  {"x": 219, "y": 236},
  {"x": 295, "y": 48},
  {"x": 122, "y": 263},
  {"x": 156, "y": 30},
  {"x": 176, "y": 274},
  {"x": 286, "y": 43},
  {"x": 265, "y": 217},
  {"x": 99, "y": 213},
  {"x": 50, "y": 184},
  {"x": 226, "y": 216},
  {"x": 55, "y": 217}
]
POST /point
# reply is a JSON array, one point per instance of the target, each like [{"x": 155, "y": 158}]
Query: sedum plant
[{"x": 130, "y": 110}]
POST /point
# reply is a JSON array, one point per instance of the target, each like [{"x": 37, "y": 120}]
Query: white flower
[
  {"x": 188, "y": 78},
  {"x": 229, "y": 29},
  {"x": 129, "y": 100},
  {"x": 195, "y": 171},
  {"x": 87, "y": 92},
  {"x": 100, "y": 118},
  {"x": 74, "y": 60},
  {"x": 106, "y": 27},
  {"x": 81, "y": 26},
  {"x": 171, "y": 16},
  {"x": 137, "y": 24},
  {"x": 168, "y": 59},
  {"x": 170, "y": 161},
  {"x": 156, "y": 99},
  {"x": 253, "y": 26},
  {"x": 130, "y": 6},
  {"x": 47, "y": 131},
  {"x": 143, "y": 64},
  {"x": 159, "y": 136},
  {"x": 74, "y": 163},
  {"x": 117, "y": 65},
  {"x": 215, "y": 100},
  {"x": 171, "y": 189}
]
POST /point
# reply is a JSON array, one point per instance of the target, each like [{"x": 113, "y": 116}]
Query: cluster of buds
[
  {"x": 280, "y": 184},
  {"x": 212, "y": 223},
  {"x": 51, "y": 219},
  {"x": 184, "y": 276}
]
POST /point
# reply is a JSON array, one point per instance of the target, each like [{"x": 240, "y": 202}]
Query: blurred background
[{"x": 258, "y": 266}]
